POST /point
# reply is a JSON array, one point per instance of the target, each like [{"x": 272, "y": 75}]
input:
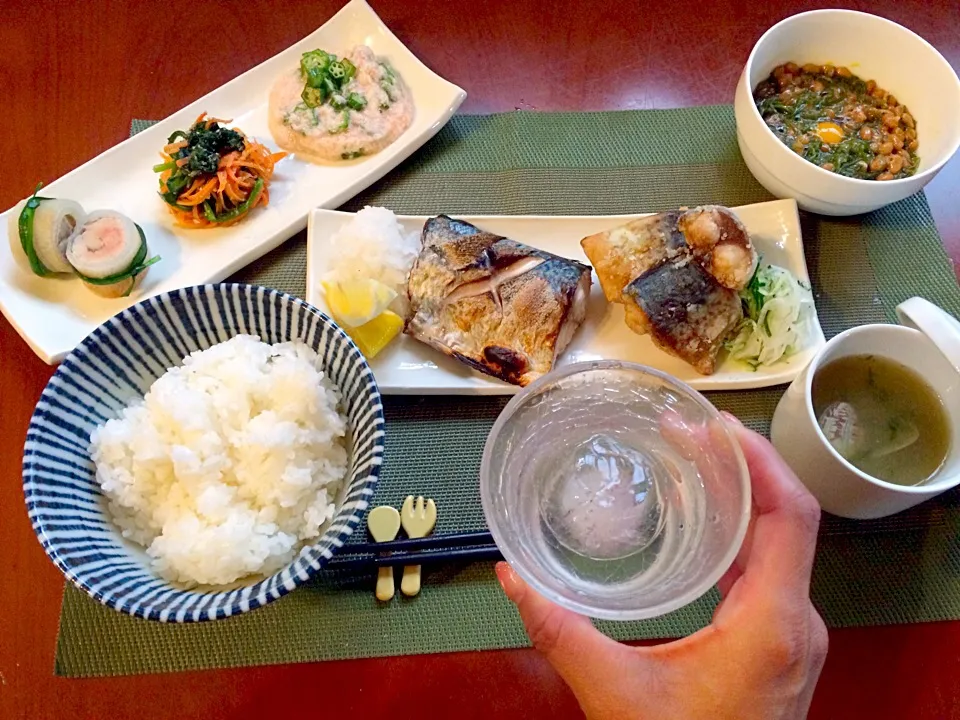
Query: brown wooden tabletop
[{"x": 74, "y": 74}]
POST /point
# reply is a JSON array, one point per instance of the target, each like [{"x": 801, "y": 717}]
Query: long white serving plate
[
  {"x": 53, "y": 315},
  {"x": 408, "y": 367}
]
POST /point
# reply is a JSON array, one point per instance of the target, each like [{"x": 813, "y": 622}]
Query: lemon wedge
[
  {"x": 356, "y": 302},
  {"x": 375, "y": 335}
]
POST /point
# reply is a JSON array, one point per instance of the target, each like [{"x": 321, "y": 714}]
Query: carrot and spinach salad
[{"x": 212, "y": 175}]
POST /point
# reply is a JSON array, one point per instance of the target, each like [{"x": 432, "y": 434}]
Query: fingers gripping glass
[{"x": 615, "y": 490}]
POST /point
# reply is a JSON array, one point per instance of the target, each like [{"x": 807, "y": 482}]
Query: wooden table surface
[{"x": 74, "y": 74}]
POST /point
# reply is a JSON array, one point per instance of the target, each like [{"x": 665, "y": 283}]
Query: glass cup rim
[{"x": 531, "y": 577}]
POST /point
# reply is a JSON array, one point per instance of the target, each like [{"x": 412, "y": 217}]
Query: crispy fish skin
[
  {"x": 688, "y": 313},
  {"x": 628, "y": 251},
  {"x": 501, "y": 307},
  {"x": 712, "y": 234}
]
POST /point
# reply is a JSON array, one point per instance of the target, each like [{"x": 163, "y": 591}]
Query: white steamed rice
[{"x": 228, "y": 463}]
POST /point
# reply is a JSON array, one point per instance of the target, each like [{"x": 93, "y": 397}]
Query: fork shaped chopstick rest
[
  {"x": 418, "y": 520},
  {"x": 384, "y": 524}
]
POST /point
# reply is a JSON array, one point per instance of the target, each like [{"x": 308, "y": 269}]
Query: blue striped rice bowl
[{"x": 117, "y": 363}]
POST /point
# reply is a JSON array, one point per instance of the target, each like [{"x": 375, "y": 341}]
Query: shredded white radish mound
[
  {"x": 374, "y": 246},
  {"x": 778, "y": 309}
]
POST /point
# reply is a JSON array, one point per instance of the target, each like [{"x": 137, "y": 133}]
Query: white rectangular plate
[
  {"x": 408, "y": 367},
  {"x": 54, "y": 315}
]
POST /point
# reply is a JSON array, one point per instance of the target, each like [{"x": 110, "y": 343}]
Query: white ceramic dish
[
  {"x": 872, "y": 47},
  {"x": 839, "y": 486},
  {"x": 54, "y": 315},
  {"x": 408, "y": 367}
]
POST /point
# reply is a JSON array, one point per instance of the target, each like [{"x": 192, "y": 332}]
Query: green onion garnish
[{"x": 356, "y": 101}]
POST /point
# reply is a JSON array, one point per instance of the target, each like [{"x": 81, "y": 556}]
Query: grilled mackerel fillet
[{"x": 502, "y": 307}]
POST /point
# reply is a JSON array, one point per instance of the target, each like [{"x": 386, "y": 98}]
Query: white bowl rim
[
  {"x": 929, "y": 172},
  {"x": 234, "y": 603}
]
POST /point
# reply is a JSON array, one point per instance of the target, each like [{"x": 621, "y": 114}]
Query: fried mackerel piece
[
  {"x": 712, "y": 234},
  {"x": 684, "y": 266},
  {"x": 720, "y": 243},
  {"x": 686, "y": 311},
  {"x": 628, "y": 251},
  {"x": 502, "y": 307}
]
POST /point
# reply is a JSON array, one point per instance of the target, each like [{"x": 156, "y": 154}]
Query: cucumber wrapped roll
[
  {"x": 40, "y": 231},
  {"x": 109, "y": 253}
]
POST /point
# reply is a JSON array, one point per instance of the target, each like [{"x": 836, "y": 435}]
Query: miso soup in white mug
[
  {"x": 872, "y": 426},
  {"x": 882, "y": 417}
]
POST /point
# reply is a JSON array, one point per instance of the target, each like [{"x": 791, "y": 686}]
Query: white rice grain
[{"x": 228, "y": 464}]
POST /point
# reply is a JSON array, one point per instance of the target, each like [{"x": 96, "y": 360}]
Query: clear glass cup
[{"x": 615, "y": 490}]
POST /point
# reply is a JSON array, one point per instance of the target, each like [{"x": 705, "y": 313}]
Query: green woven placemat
[{"x": 900, "y": 569}]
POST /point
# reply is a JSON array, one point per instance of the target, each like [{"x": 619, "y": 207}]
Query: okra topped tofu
[{"x": 332, "y": 109}]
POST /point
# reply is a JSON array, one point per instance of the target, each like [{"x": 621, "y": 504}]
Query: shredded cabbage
[{"x": 777, "y": 309}]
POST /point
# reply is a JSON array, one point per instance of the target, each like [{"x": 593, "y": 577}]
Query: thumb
[{"x": 583, "y": 656}]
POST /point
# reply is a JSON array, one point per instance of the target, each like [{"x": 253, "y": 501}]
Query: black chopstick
[
  {"x": 457, "y": 554},
  {"x": 431, "y": 542},
  {"x": 449, "y": 547}
]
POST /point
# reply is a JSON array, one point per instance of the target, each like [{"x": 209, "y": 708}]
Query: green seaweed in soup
[
  {"x": 838, "y": 121},
  {"x": 882, "y": 417}
]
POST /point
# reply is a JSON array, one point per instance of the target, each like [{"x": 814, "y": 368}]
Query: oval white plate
[
  {"x": 54, "y": 315},
  {"x": 408, "y": 367}
]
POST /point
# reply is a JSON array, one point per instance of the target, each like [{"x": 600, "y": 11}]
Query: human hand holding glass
[{"x": 761, "y": 655}]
